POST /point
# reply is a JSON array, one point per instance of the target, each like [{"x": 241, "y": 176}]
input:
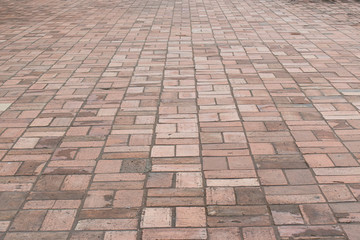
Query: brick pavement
[{"x": 179, "y": 119}]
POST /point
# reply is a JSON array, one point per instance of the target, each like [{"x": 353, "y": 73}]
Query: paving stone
[
  {"x": 11, "y": 200},
  {"x": 352, "y": 231},
  {"x": 220, "y": 196},
  {"x": 159, "y": 180},
  {"x": 106, "y": 224},
  {"x": 299, "y": 176},
  {"x": 156, "y": 119},
  {"x": 101, "y": 213},
  {"x": 249, "y": 195},
  {"x": 190, "y": 217},
  {"x": 337, "y": 193},
  {"x": 286, "y": 214},
  {"x": 272, "y": 177},
  {"x": 57, "y": 220},
  {"x": 28, "y": 220},
  {"x": 82, "y": 235},
  {"x": 317, "y": 214},
  {"x": 36, "y": 235},
  {"x": 134, "y": 165},
  {"x": 113, "y": 235},
  {"x": 175, "y": 233},
  {"x": 156, "y": 217},
  {"x": 223, "y": 233},
  {"x": 325, "y": 231},
  {"x": 260, "y": 233},
  {"x": 355, "y": 189}
]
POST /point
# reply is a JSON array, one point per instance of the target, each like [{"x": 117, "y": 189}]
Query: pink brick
[
  {"x": 163, "y": 151},
  {"x": 58, "y": 220},
  {"x": 156, "y": 217},
  {"x": 190, "y": 217}
]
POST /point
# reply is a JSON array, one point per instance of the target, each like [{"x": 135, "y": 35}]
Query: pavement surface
[{"x": 179, "y": 119}]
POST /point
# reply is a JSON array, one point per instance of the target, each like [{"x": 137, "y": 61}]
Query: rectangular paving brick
[
  {"x": 156, "y": 218},
  {"x": 106, "y": 224},
  {"x": 175, "y": 233},
  {"x": 156, "y": 119}
]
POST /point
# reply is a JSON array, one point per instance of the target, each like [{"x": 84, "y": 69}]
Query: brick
[
  {"x": 4, "y": 225},
  {"x": 11, "y": 200},
  {"x": 128, "y": 198},
  {"x": 355, "y": 189},
  {"x": 158, "y": 180},
  {"x": 108, "y": 166},
  {"x": 36, "y": 235},
  {"x": 352, "y": 231},
  {"x": 249, "y": 195},
  {"x": 106, "y": 224},
  {"x": 75, "y": 182},
  {"x": 241, "y": 162},
  {"x": 129, "y": 112},
  {"x": 66, "y": 204},
  {"x": 262, "y": 148},
  {"x": 343, "y": 160},
  {"x": 260, "y": 233},
  {"x": 321, "y": 231},
  {"x": 174, "y": 201},
  {"x": 224, "y": 233},
  {"x": 58, "y": 220},
  {"x": 102, "y": 213},
  {"x": 134, "y": 165},
  {"x": 77, "y": 131},
  {"x": 337, "y": 193},
  {"x": 190, "y": 217},
  {"x": 230, "y": 174},
  {"x": 318, "y": 160},
  {"x": 189, "y": 180},
  {"x": 317, "y": 214},
  {"x": 232, "y": 182},
  {"x": 38, "y": 122},
  {"x": 28, "y": 220},
  {"x": 214, "y": 163},
  {"x": 163, "y": 151},
  {"x": 299, "y": 176},
  {"x": 119, "y": 177},
  {"x": 176, "y": 192},
  {"x": 211, "y": 137},
  {"x": 113, "y": 235},
  {"x": 220, "y": 196},
  {"x": 272, "y": 177},
  {"x": 250, "y": 210},
  {"x": 84, "y": 235},
  {"x": 156, "y": 217},
  {"x": 88, "y": 153},
  {"x": 64, "y": 195},
  {"x": 286, "y": 214},
  {"x": 30, "y": 168},
  {"x": 238, "y": 221},
  {"x": 41, "y": 204},
  {"x": 175, "y": 233},
  {"x": 8, "y": 168},
  {"x": 26, "y": 143},
  {"x": 187, "y": 150}
]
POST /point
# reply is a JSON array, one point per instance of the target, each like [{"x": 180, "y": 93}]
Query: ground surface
[{"x": 179, "y": 119}]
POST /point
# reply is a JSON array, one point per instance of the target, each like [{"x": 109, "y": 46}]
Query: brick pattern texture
[{"x": 179, "y": 119}]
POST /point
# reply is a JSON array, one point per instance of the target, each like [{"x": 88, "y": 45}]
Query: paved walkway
[{"x": 179, "y": 119}]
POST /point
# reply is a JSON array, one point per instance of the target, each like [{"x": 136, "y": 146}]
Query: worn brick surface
[{"x": 179, "y": 119}]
